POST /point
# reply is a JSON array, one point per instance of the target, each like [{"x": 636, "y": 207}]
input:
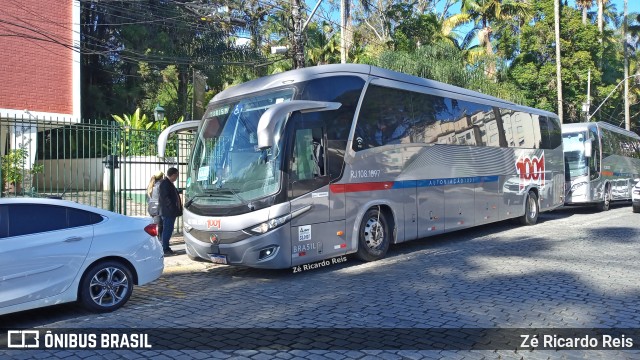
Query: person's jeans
[
  {"x": 167, "y": 230},
  {"x": 158, "y": 221}
]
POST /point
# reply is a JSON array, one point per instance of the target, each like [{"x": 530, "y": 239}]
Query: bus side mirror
[
  {"x": 587, "y": 148},
  {"x": 268, "y": 120}
]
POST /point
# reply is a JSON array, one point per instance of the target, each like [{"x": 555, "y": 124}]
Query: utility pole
[
  {"x": 556, "y": 6},
  {"x": 627, "y": 120},
  {"x": 588, "y": 93},
  {"x": 343, "y": 29},
  {"x": 587, "y": 104},
  {"x": 298, "y": 40}
]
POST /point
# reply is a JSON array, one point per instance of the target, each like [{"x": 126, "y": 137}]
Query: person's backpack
[{"x": 152, "y": 207}]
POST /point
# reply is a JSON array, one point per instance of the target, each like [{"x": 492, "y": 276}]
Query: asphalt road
[{"x": 575, "y": 269}]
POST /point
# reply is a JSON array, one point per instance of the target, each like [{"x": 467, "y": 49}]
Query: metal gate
[{"x": 93, "y": 162}]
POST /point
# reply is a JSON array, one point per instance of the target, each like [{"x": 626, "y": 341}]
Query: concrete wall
[{"x": 91, "y": 174}]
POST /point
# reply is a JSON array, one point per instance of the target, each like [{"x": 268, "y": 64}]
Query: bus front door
[{"x": 313, "y": 236}]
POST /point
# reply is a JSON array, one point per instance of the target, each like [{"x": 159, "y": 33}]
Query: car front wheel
[{"x": 106, "y": 286}]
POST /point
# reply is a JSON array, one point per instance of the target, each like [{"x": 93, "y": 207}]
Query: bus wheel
[
  {"x": 374, "y": 236},
  {"x": 604, "y": 205},
  {"x": 636, "y": 208},
  {"x": 531, "y": 210}
]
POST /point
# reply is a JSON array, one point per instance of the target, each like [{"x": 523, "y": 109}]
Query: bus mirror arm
[
  {"x": 268, "y": 120},
  {"x": 164, "y": 135}
]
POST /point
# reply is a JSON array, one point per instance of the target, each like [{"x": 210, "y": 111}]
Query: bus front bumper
[{"x": 271, "y": 250}]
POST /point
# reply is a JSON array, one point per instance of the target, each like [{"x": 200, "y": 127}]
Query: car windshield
[
  {"x": 226, "y": 167},
  {"x": 575, "y": 162}
]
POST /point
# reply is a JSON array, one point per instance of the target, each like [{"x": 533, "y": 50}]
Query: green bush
[{"x": 13, "y": 167}]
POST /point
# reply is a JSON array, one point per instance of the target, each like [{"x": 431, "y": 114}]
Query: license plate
[{"x": 218, "y": 259}]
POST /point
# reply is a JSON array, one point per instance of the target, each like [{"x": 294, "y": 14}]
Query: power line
[{"x": 125, "y": 54}]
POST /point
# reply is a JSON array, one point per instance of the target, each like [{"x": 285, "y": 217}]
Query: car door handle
[{"x": 72, "y": 239}]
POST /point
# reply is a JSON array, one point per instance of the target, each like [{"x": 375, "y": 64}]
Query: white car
[
  {"x": 56, "y": 251},
  {"x": 635, "y": 198}
]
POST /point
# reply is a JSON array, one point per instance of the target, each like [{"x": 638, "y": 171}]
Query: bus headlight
[{"x": 270, "y": 225}]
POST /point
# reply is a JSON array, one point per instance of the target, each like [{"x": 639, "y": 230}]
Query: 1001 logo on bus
[{"x": 531, "y": 170}]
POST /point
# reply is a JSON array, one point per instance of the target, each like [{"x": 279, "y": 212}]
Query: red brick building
[{"x": 39, "y": 63}]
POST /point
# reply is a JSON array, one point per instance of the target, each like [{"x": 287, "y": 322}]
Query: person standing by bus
[
  {"x": 169, "y": 207},
  {"x": 153, "y": 193}
]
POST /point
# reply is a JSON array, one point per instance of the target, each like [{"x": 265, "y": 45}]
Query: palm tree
[
  {"x": 609, "y": 15},
  {"x": 556, "y": 8},
  {"x": 584, "y": 5},
  {"x": 323, "y": 44},
  {"x": 346, "y": 33},
  {"x": 601, "y": 4},
  {"x": 486, "y": 12}
]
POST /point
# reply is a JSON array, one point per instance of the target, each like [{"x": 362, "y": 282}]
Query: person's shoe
[{"x": 169, "y": 252}]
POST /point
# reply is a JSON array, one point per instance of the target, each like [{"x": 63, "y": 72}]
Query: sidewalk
[{"x": 180, "y": 262}]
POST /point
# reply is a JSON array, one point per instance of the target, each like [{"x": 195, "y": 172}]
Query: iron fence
[{"x": 93, "y": 162}]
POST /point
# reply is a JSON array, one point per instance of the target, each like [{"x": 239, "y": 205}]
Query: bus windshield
[
  {"x": 226, "y": 166},
  {"x": 576, "y": 163}
]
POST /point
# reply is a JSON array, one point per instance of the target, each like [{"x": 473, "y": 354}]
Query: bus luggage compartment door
[
  {"x": 487, "y": 200},
  {"x": 430, "y": 209},
  {"x": 459, "y": 206}
]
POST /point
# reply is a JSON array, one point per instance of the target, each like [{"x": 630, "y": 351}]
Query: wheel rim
[
  {"x": 373, "y": 233},
  {"x": 109, "y": 286},
  {"x": 533, "y": 209},
  {"x": 607, "y": 198}
]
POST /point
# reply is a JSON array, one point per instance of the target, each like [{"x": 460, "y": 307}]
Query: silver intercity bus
[
  {"x": 325, "y": 161},
  {"x": 602, "y": 163}
]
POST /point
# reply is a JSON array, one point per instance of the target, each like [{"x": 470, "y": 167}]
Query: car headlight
[{"x": 270, "y": 225}]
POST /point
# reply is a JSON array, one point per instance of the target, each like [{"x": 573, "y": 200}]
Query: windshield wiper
[
  {"x": 194, "y": 197},
  {"x": 236, "y": 195},
  {"x": 215, "y": 193}
]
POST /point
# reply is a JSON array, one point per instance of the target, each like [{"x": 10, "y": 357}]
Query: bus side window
[
  {"x": 308, "y": 154},
  {"x": 594, "y": 160}
]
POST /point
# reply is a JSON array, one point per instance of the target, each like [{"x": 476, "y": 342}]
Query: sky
[{"x": 632, "y": 5}]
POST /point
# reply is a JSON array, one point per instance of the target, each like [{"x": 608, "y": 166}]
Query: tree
[
  {"x": 129, "y": 49},
  {"x": 584, "y": 5},
  {"x": 323, "y": 44},
  {"x": 534, "y": 69},
  {"x": 556, "y": 16},
  {"x": 487, "y": 12},
  {"x": 425, "y": 29},
  {"x": 443, "y": 62}
]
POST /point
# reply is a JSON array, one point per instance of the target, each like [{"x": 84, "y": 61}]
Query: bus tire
[
  {"x": 636, "y": 208},
  {"x": 606, "y": 204},
  {"x": 374, "y": 236},
  {"x": 531, "y": 209}
]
